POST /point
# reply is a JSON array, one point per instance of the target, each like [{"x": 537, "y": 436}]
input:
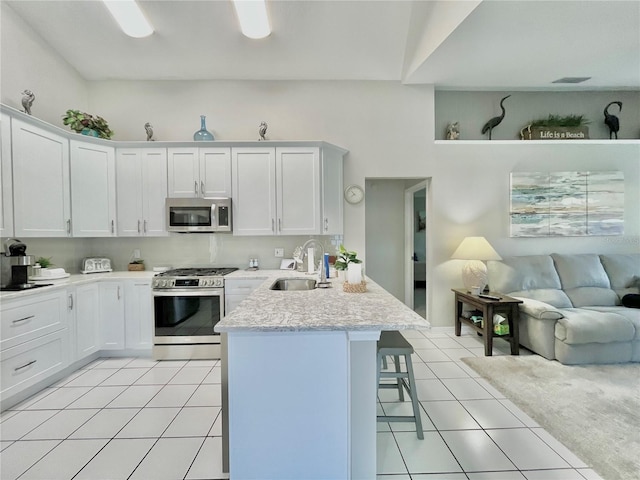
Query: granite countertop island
[
  {"x": 299, "y": 379},
  {"x": 316, "y": 310}
]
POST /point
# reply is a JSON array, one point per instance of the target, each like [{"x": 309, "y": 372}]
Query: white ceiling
[{"x": 473, "y": 44}]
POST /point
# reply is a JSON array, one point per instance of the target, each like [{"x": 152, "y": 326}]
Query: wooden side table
[{"x": 507, "y": 306}]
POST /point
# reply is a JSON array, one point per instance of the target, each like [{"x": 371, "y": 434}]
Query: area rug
[{"x": 594, "y": 410}]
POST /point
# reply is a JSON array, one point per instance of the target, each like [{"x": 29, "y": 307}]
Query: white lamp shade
[
  {"x": 474, "y": 272},
  {"x": 475, "y": 248}
]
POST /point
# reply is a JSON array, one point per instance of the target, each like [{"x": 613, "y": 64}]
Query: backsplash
[{"x": 174, "y": 250}]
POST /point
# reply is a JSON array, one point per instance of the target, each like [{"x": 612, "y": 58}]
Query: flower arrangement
[{"x": 87, "y": 124}]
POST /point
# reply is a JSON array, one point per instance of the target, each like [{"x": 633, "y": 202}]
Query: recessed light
[
  {"x": 129, "y": 17},
  {"x": 571, "y": 80},
  {"x": 253, "y": 18}
]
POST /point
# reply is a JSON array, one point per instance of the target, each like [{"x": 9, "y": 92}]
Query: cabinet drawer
[
  {"x": 26, "y": 319},
  {"x": 242, "y": 286},
  {"x": 28, "y": 363}
]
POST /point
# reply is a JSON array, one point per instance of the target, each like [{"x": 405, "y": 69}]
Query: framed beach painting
[{"x": 567, "y": 204}]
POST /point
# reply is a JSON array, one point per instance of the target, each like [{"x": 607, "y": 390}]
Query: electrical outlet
[
  {"x": 279, "y": 252},
  {"x": 136, "y": 254}
]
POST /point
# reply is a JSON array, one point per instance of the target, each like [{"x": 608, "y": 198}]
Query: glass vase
[{"x": 203, "y": 134}]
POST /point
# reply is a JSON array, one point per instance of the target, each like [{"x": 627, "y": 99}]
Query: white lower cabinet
[
  {"x": 138, "y": 315},
  {"x": 83, "y": 302},
  {"x": 237, "y": 289},
  {"x": 34, "y": 341},
  {"x": 30, "y": 362},
  {"x": 112, "y": 315}
]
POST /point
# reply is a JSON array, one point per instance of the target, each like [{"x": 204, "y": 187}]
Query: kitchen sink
[{"x": 291, "y": 284}]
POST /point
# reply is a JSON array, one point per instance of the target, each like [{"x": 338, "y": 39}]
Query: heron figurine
[
  {"x": 262, "y": 130},
  {"x": 612, "y": 121},
  {"x": 495, "y": 121},
  {"x": 27, "y": 100},
  {"x": 149, "y": 129}
]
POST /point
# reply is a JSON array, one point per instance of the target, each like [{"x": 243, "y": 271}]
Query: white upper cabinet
[
  {"x": 93, "y": 190},
  {"x": 141, "y": 191},
  {"x": 276, "y": 191},
  {"x": 332, "y": 192},
  {"x": 41, "y": 195},
  {"x": 215, "y": 172},
  {"x": 199, "y": 172},
  {"x": 254, "y": 191},
  {"x": 6, "y": 177},
  {"x": 298, "y": 190}
]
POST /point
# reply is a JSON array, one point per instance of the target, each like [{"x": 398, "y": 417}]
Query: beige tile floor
[{"x": 134, "y": 418}]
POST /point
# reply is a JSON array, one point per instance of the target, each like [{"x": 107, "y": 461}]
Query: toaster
[{"x": 96, "y": 265}]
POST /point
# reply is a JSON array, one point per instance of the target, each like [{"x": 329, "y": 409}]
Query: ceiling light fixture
[
  {"x": 129, "y": 17},
  {"x": 252, "y": 15}
]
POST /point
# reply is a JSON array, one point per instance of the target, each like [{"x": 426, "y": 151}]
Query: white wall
[
  {"x": 384, "y": 236},
  {"x": 28, "y": 62}
]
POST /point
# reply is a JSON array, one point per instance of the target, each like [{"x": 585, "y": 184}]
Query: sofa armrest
[{"x": 539, "y": 310}]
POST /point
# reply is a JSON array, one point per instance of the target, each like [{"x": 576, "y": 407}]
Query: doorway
[
  {"x": 394, "y": 236},
  {"x": 416, "y": 248}
]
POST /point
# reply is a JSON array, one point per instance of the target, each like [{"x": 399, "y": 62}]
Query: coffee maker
[{"x": 16, "y": 266}]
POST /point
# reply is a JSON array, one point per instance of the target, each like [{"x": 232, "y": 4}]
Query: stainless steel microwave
[{"x": 198, "y": 215}]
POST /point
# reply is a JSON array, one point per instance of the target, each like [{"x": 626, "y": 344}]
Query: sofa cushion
[
  {"x": 584, "y": 280},
  {"x": 631, "y": 314},
  {"x": 538, "y": 309},
  {"x": 581, "y": 325},
  {"x": 532, "y": 276},
  {"x": 623, "y": 271}
]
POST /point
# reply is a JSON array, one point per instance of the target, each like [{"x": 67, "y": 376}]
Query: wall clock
[{"x": 354, "y": 194}]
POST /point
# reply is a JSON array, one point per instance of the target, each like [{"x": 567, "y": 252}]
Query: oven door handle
[{"x": 199, "y": 292}]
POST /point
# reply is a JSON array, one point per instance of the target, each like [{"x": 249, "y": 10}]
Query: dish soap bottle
[{"x": 203, "y": 134}]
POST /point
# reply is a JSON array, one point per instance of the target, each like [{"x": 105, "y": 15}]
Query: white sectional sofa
[{"x": 572, "y": 308}]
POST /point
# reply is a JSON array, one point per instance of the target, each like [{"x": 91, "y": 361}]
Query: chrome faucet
[{"x": 323, "y": 274}]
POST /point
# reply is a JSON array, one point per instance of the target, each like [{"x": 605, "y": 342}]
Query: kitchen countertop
[
  {"x": 329, "y": 309},
  {"x": 77, "y": 279}
]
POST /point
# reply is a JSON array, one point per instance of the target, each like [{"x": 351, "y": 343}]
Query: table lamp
[{"x": 474, "y": 273}]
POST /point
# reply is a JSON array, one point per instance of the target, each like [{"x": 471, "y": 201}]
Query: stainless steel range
[{"x": 187, "y": 304}]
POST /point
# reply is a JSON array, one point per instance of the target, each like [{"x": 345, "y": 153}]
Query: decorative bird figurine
[
  {"x": 262, "y": 130},
  {"x": 149, "y": 129},
  {"x": 612, "y": 121},
  {"x": 495, "y": 121},
  {"x": 27, "y": 100}
]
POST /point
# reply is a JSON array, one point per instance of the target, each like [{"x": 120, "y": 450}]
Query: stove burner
[{"x": 197, "y": 272}]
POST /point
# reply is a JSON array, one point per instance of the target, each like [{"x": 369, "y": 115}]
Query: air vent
[{"x": 571, "y": 80}]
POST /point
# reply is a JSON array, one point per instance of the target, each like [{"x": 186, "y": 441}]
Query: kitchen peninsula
[{"x": 301, "y": 372}]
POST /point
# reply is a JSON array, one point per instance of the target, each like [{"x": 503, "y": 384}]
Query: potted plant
[
  {"x": 87, "y": 124},
  {"x": 136, "y": 265},
  {"x": 44, "y": 262},
  {"x": 556, "y": 127},
  {"x": 346, "y": 257}
]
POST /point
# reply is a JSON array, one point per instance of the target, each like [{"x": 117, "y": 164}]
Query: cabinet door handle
[
  {"x": 280, "y": 225},
  {"x": 195, "y": 187},
  {"x": 69, "y": 227},
  {"x": 70, "y": 302},
  {"x": 25, "y": 365},
  {"x": 145, "y": 226},
  {"x": 326, "y": 224},
  {"x": 202, "y": 187},
  {"x": 23, "y": 319},
  {"x": 138, "y": 226},
  {"x": 273, "y": 225},
  {"x": 118, "y": 292},
  {"x": 113, "y": 226}
]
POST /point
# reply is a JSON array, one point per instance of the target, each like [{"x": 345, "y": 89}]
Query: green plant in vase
[
  {"x": 44, "y": 262},
  {"x": 345, "y": 257}
]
